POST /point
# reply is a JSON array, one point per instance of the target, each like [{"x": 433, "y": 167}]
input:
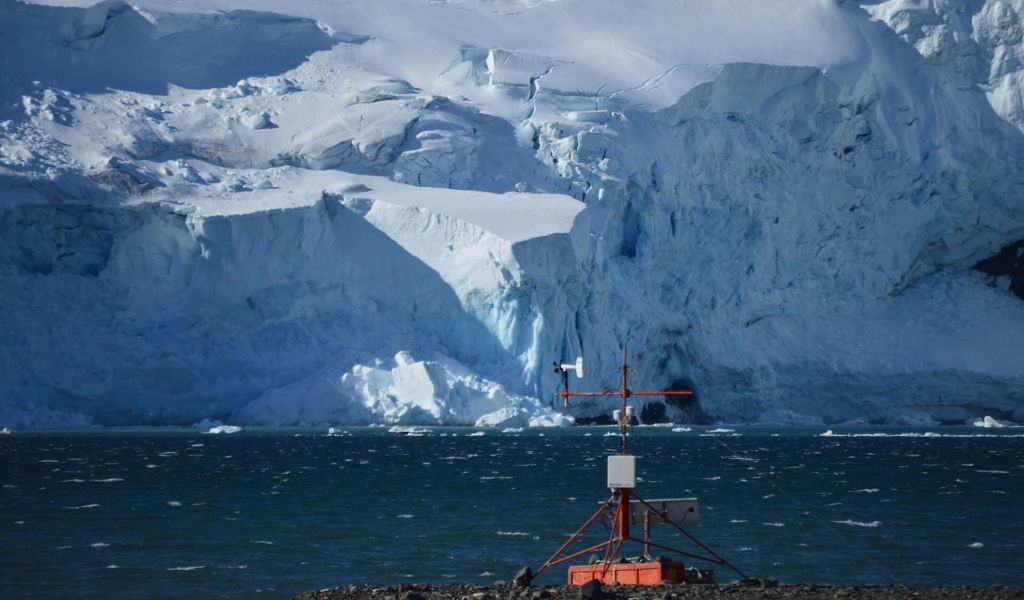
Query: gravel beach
[{"x": 733, "y": 591}]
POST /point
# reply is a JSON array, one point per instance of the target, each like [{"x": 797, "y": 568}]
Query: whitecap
[
  {"x": 81, "y": 507},
  {"x": 404, "y": 516},
  {"x": 173, "y": 503},
  {"x": 721, "y": 430},
  {"x": 113, "y": 566},
  {"x": 266, "y": 542},
  {"x": 866, "y": 491},
  {"x": 976, "y": 545},
  {"x": 853, "y": 523},
  {"x": 485, "y": 574},
  {"x": 191, "y": 568},
  {"x": 774, "y": 524},
  {"x": 107, "y": 480},
  {"x": 681, "y": 429},
  {"x": 225, "y": 429},
  {"x": 513, "y": 533},
  {"x": 993, "y": 471},
  {"x": 72, "y": 481},
  {"x": 475, "y": 434},
  {"x": 737, "y": 520},
  {"x": 99, "y": 545}
]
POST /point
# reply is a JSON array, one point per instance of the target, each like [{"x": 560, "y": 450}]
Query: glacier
[{"x": 405, "y": 211}]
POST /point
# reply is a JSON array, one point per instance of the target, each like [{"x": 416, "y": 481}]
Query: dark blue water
[{"x": 170, "y": 514}]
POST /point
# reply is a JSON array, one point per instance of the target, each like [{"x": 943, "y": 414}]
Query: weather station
[{"x": 626, "y": 509}]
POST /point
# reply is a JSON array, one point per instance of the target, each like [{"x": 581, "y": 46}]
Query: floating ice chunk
[
  {"x": 721, "y": 430},
  {"x": 680, "y": 429},
  {"x": 475, "y": 434},
  {"x": 225, "y": 429},
  {"x": 408, "y": 430}
]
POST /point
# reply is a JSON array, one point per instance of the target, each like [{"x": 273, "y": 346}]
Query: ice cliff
[{"x": 404, "y": 211}]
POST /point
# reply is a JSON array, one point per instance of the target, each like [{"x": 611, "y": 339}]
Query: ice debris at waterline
[
  {"x": 989, "y": 422},
  {"x": 332, "y": 215},
  {"x": 225, "y": 429}
]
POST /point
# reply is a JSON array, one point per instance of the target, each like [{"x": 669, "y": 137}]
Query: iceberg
[{"x": 989, "y": 422}]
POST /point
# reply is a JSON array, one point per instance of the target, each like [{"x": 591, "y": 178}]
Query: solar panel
[{"x": 681, "y": 511}]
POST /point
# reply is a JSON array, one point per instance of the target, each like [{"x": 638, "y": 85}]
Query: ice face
[{"x": 406, "y": 213}]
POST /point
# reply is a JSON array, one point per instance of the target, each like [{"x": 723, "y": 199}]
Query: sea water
[{"x": 179, "y": 513}]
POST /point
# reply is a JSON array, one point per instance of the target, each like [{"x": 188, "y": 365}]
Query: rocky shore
[{"x": 732, "y": 591}]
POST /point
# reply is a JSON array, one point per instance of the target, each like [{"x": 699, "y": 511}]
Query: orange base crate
[{"x": 647, "y": 573}]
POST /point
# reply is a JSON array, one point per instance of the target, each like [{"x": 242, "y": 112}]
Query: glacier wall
[
  {"x": 141, "y": 314},
  {"x": 404, "y": 213}
]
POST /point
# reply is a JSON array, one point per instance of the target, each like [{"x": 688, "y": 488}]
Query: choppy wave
[
  {"x": 926, "y": 434},
  {"x": 853, "y": 523},
  {"x": 189, "y": 568}
]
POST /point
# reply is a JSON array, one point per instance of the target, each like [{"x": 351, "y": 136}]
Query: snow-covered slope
[{"x": 403, "y": 210}]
